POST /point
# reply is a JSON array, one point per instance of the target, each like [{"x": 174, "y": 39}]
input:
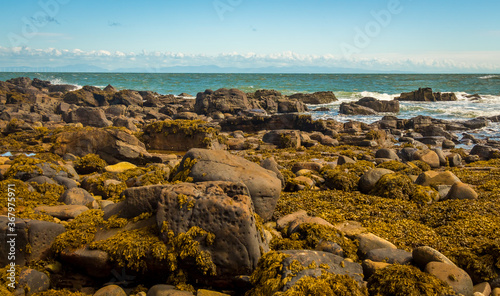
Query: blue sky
[{"x": 376, "y": 35}]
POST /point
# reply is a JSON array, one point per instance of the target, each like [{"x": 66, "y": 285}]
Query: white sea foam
[
  {"x": 59, "y": 81},
  {"x": 489, "y": 77}
]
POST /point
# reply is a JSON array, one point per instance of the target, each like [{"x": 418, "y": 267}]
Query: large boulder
[
  {"x": 322, "y": 97},
  {"x": 222, "y": 100},
  {"x": 283, "y": 138},
  {"x": 212, "y": 165},
  {"x": 81, "y": 97},
  {"x": 181, "y": 135},
  {"x": 378, "y": 105},
  {"x": 88, "y": 116},
  {"x": 127, "y": 98},
  {"x": 223, "y": 209},
  {"x": 426, "y": 94},
  {"x": 112, "y": 145}
]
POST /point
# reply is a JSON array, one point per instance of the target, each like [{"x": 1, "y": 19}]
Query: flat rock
[
  {"x": 120, "y": 167},
  {"x": 369, "y": 241},
  {"x": 390, "y": 255},
  {"x": 95, "y": 262},
  {"x": 41, "y": 235},
  {"x": 350, "y": 228},
  {"x": 370, "y": 267},
  {"x": 457, "y": 278},
  {"x": 62, "y": 212}
]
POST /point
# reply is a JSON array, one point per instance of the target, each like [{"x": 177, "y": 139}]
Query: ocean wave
[
  {"x": 59, "y": 81},
  {"x": 490, "y": 77}
]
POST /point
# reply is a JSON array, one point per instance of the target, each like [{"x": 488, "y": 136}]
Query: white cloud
[{"x": 486, "y": 61}]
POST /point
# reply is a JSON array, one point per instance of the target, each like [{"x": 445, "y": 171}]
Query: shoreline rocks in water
[{"x": 132, "y": 192}]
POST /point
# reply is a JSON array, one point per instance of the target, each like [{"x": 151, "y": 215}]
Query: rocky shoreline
[{"x": 231, "y": 193}]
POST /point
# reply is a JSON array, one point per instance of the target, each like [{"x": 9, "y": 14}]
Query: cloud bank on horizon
[{"x": 383, "y": 35}]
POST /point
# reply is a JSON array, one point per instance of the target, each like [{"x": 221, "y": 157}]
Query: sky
[{"x": 373, "y": 35}]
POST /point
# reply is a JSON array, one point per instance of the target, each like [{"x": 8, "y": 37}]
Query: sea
[{"x": 347, "y": 88}]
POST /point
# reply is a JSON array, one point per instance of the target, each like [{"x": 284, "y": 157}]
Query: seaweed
[
  {"x": 80, "y": 231},
  {"x": 326, "y": 284},
  {"x": 406, "y": 280},
  {"x": 90, "y": 163}
]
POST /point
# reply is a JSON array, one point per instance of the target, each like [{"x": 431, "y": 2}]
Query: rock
[
  {"x": 62, "y": 212},
  {"x": 369, "y": 241},
  {"x": 33, "y": 282},
  {"x": 495, "y": 292},
  {"x": 457, "y": 278},
  {"x": 336, "y": 265},
  {"x": 437, "y": 178},
  {"x": 460, "y": 190},
  {"x": 41, "y": 235},
  {"x": 426, "y": 94},
  {"x": 223, "y": 209},
  {"x": 41, "y": 180},
  {"x": 354, "y": 109},
  {"x": 482, "y": 151},
  {"x": 110, "y": 144},
  {"x": 138, "y": 200},
  {"x": 378, "y": 105},
  {"x": 167, "y": 290},
  {"x": 386, "y": 153},
  {"x": 122, "y": 121},
  {"x": 111, "y": 290},
  {"x": 96, "y": 263},
  {"x": 76, "y": 196},
  {"x": 287, "y": 219},
  {"x": 369, "y": 179},
  {"x": 430, "y": 157},
  {"x": 483, "y": 288},
  {"x": 370, "y": 267},
  {"x": 329, "y": 247},
  {"x": 21, "y": 229},
  {"x": 454, "y": 159},
  {"x": 222, "y": 100},
  {"x": 295, "y": 224},
  {"x": 127, "y": 98},
  {"x": 448, "y": 144},
  {"x": 425, "y": 254},
  {"x": 313, "y": 166},
  {"x": 81, "y": 97},
  {"x": 211, "y": 165},
  {"x": 181, "y": 135},
  {"x": 476, "y": 123},
  {"x": 322, "y": 97},
  {"x": 441, "y": 156},
  {"x": 283, "y": 138},
  {"x": 390, "y": 255},
  {"x": 66, "y": 182},
  {"x": 88, "y": 116},
  {"x": 350, "y": 228},
  {"x": 120, "y": 167},
  {"x": 344, "y": 159},
  {"x": 271, "y": 164}
]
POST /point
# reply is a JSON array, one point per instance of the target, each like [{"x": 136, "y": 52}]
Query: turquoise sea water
[{"x": 347, "y": 87}]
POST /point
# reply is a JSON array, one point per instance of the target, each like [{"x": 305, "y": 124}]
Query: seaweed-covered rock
[
  {"x": 112, "y": 145},
  {"x": 395, "y": 185},
  {"x": 403, "y": 280},
  {"x": 301, "y": 263},
  {"x": 211, "y": 165},
  {"x": 457, "y": 278},
  {"x": 90, "y": 163},
  {"x": 33, "y": 281},
  {"x": 369, "y": 179},
  {"x": 76, "y": 196},
  {"x": 283, "y": 138},
  {"x": 181, "y": 135},
  {"x": 223, "y": 209},
  {"x": 425, "y": 254}
]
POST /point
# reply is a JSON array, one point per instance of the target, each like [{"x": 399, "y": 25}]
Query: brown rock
[
  {"x": 461, "y": 190},
  {"x": 425, "y": 254},
  {"x": 437, "y": 178},
  {"x": 369, "y": 241},
  {"x": 111, "y": 290},
  {"x": 457, "y": 278},
  {"x": 370, "y": 267},
  {"x": 62, "y": 212},
  {"x": 430, "y": 157}
]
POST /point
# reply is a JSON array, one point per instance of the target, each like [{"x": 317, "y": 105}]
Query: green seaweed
[
  {"x": 80, "y": 231},
  {"x": 326, "y": 284},
  {"x": 90, "y": 163}
]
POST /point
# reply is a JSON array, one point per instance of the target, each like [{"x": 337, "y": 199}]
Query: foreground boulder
[
  {"x": 223, "y": 209},
  {"x": 201, "y": 165},
  {"x": 112, "y": 145}
]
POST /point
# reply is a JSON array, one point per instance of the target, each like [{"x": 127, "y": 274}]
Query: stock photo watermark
[
  {"x": 372, "y": 29},
  {"x": 224, "y": 6},
  {"x": 11, "y": 235},
  {"x": 31, "y": 26}
]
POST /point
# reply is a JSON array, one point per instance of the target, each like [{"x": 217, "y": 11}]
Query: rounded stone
[
  {"x": 457, "y": 278},
  {"x": 461, "y": 191},
  {"x": 369, "y": 179},
  {"x": 111, "y": 290}
]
